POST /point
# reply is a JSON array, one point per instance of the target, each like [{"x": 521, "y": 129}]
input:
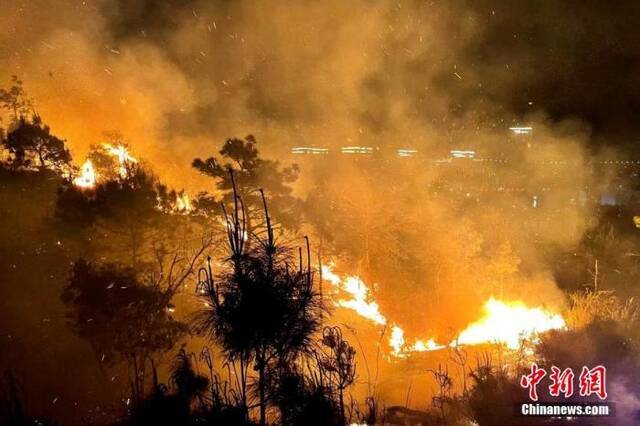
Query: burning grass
[{"x": 504, "y": 323}]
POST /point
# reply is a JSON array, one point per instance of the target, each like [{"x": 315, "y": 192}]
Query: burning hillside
[
  {"x": 175, "y": 175},
  {"x": 505, "y": 323}
]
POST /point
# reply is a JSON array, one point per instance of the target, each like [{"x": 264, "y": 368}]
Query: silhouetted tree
[
  {"x": 30, "y": 143},
  {"x": 12, "y": 410},
  {"x": 250, "y": 173},
  {"x": 189, "y": 385},
  {"x": 337, "y": 363},
  {"x": 15, "y": 100},
  {"x": 122, "y": 319},
  {"x": 303, "y": 401},
  {"x": 162, "y": 407},
  {"x": 313, "y": 394},
  {"x": 129, "y": 217},
  {"x": 226, "y": 405},
  {"x": 262, "y": 310},
  {"x": 176, "y": 404},
  {"x": 128, "y": 213}
]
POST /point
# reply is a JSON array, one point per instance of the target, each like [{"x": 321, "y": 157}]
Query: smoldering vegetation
[{"x": 108, "y": 280}]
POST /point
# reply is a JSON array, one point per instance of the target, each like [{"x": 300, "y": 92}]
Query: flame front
[
  {"x": 504, "y": 323},
  {"x": 400, "y": 349},
  {"x": 87, "y": 178},
  {"x": 508, "y": 323},
  {"x": 360, "y": 301},
  {"x": 424, "y": 346}
]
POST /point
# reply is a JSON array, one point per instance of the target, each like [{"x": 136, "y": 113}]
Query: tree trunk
[
  {"x": 261, "y": 391},
  {"x": 342, "y": 419},
  {"x": 40, "y": 158},
  {"x": 243, "y": 385}
]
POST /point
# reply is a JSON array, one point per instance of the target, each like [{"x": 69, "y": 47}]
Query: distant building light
[
  {"x": 356, "y": 150},
  {"x": 443, "y": 160},
  {"x": 309, "y": 150},
  {"x": 521, "y": 130},
  {"x": 407, "y": 152},
  {"x": 456, "y": 153}
]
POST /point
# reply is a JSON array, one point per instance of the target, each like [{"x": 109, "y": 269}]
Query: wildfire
[
  {"x": 360, "y": 301},
  {"x": 87, "y": 177},
  {"x": 508, "y": 323},
  {"x": 400, "y": 349},
  {"x": 124, "y": 158},
  {"x": 424, "y": 346},
  {"x": 502, "y": 322},
  {"x": 183, "y": 203},
  {"x": 396, "y": 341}
]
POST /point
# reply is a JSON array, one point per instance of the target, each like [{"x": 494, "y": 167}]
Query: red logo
[
  {"x": 532, "y": 379},
  {"x": 594, "y": 381},
  {"x": 591, "y": 381}
]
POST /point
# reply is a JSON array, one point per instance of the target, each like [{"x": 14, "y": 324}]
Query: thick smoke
[{"x": 177, "y": 78}]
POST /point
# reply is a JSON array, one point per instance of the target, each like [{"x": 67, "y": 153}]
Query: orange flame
[
  {"x": 87, "y": 177},
  {"x": 507, "y": 323},
  {"x": 362, "y": 303},
  {"x": 183, "y": 203},
  {"x": 124, "y": 158},
  {"x": 360, "y": 300}
]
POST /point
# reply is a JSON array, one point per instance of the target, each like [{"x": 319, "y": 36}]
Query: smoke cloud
[{"x": 179, "y": 77}]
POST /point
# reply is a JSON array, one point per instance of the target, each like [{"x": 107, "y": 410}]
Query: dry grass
[{"x": 590, "y": 306}]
